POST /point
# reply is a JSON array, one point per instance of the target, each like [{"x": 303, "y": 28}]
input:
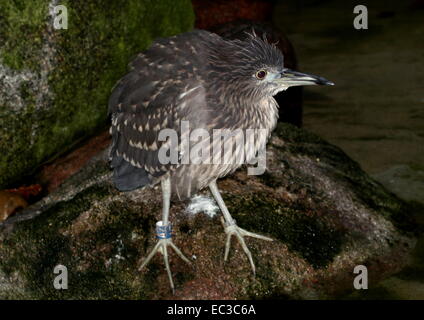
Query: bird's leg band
[{"x": 163, "y": 231}]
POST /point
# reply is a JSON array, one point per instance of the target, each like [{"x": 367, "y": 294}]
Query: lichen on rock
[
  {"x": 54, "y": 84},
  {"x": 324, "y": 213}
]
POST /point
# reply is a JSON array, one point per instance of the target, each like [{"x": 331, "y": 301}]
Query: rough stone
[
  {"x": 325, "y": 214},
  {"x": 54, "y": 84}
]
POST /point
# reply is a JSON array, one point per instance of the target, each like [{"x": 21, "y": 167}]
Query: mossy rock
[
  {"x": 54, "y": 84},
  {"x": 325, "y": 214}
]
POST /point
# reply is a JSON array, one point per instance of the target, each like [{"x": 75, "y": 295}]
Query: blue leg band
[{"x": 163, "y": 232}]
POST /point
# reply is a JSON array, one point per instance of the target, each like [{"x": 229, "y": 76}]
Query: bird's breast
[{"x": 232, "y": 139}]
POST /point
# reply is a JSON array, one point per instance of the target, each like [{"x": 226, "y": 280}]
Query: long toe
[
  {"x": 162, "y": 246},
  {"x": 240, "y": 233},
  {"x": 155, "y": 249},
  {"x": 168, "y": 269},
  {"x": 247, "y": 252},
  {"x": 254, "y": 235},
  {"x": 178, "y": 252}
]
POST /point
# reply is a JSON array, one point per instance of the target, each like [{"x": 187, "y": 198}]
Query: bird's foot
[
  {"x": 233, "y": 229},
  {"x": 163, "y": 233}
]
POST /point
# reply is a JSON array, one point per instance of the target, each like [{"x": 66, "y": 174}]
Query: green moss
[
  {"x": 100, "y": 262},
  {"x": 21, "y": 25},
  {"x": 89, "y": 57},
  {"x": 310, "y": 237},
  {"x": 343, "y": 168},
  {"x": 378, "y": 293},
  {"x": 270, "y": 180},
  {"x": 34, "y": 252}
]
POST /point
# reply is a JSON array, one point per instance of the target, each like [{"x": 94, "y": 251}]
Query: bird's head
[{"x": 257, "y": 67}]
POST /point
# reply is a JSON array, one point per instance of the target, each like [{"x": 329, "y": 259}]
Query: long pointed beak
[{"x": 291, "y": 78}]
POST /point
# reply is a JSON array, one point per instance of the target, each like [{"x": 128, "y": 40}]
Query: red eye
[{"x": 261, "y": 74}]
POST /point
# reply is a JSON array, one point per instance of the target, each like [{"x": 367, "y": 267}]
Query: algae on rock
[
  {"x": 54, "y": 84},
  {"x": 324, "y": 213}
]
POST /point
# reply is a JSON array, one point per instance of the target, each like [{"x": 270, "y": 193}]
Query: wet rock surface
[
  {"x": 325, "y": 214},
  {"x": 375, "y": 119}
]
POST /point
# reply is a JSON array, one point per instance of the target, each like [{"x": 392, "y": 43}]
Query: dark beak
[{"x": 291, "y": 78}]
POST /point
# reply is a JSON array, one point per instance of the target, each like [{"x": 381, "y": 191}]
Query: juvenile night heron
[{"x": 210, "y": 83}]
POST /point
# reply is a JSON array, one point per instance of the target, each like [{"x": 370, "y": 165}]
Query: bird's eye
[{"x": 261, "y": 74}]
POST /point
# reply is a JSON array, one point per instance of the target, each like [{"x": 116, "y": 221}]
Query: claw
[
  {"x": 233, "y": 229},
  {"x": 161, "y": 246}
]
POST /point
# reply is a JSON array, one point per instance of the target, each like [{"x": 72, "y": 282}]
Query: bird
[{"x": 199, "y": 80}]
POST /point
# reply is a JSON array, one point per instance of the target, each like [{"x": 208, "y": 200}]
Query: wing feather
[{"x": 161, "y": 89}]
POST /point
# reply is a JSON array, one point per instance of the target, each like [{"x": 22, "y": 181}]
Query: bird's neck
[
  {"x": 245, "y": 108},
  {"x": 257, "y": 113}
]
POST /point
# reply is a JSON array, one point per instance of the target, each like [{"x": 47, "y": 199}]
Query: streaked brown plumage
[
  {"x": 211, "y": 83},
  {"x": 165, "y": 87}
]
